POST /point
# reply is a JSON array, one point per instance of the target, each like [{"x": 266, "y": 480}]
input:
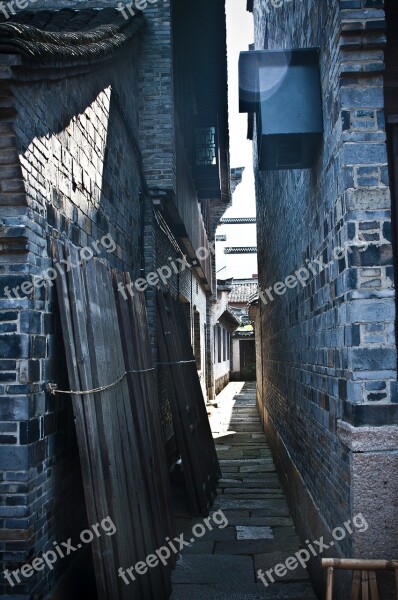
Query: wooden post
[
  {"x": 396, "y": 583},
  {"x": 356, "y": 582},
  {"x": 329, "y": 584},
  {"x": 365, "y": 586},
  {"x": 374, "y": 592}
]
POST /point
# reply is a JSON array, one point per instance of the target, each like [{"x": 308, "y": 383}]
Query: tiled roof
[
  {"x": 236, "y": 177},
  {"x": 67, "y": 36},
  {"x": 229, "y": 317},
  {"x": 243, "y": 290}
]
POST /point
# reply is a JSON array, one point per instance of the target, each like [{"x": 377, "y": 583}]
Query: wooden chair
[{"x": 364, "y": 577}]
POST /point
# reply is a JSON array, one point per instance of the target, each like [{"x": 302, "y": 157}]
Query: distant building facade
[
  {"x": 224, "y": 324},
  {"x": 243, "y": 367}
]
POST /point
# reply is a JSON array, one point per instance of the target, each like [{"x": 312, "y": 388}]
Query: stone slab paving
[{"x": 223, "y": 564}]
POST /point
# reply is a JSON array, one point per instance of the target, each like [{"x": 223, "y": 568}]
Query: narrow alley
[
  {"x": 198, "y": 300},
  {"x": 259, "y": 534}
]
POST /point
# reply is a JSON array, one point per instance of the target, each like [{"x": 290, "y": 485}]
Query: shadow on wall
[{"x": 81, "y": 170}]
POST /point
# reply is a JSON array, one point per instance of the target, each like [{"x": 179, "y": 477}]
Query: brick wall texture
[
  {"x": 327, "y": 348},
  {"x": 81, "y": 157},
  {"x": 70, "y": 169}
]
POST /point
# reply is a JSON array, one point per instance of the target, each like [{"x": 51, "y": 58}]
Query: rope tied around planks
[{"x": 53, "y": 390}]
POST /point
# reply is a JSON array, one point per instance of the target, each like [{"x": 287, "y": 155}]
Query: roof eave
[{"x": 36, "y": 49}]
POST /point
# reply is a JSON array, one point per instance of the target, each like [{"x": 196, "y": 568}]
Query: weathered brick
[{"x": 328, "y": 349}]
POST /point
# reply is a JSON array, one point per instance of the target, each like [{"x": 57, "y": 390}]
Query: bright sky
[{"x": 240, "y": 35}]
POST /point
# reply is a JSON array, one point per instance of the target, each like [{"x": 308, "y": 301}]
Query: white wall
[
  {"x": 235, "y": 355},
  {"x": 221, "y": 368}
]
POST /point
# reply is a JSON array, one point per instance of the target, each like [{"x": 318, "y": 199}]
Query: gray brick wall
[
  {"x": 80, "y": 158},
  {"x": 156, "y": 115},
  {"x": 328, "y": 346},
  {"x": 70, "y": 169}
]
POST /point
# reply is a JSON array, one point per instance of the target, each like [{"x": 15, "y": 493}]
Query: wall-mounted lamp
[{"x": 283, "y": 89}]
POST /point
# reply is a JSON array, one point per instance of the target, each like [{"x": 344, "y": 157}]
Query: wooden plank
[
  {"x": 109, "y": 426},
  {"x": 97, "y": 411},
  {"x": 96, "y": 505},
  {"x": 329, "y": 584},
  {"x": 189, "y": 404},
  {"x": 356, "y": 584},
  {"x": 124, "y": 467},
  {"x": 205, "y": 429},
  {"x": 396, "y": 584},
  {"x": 210, "y": 459},
  {"x": 365, "y": 585},
  {"x": 374, "y": 592},
  {"x": 108, "y": 407},
  {"x": 151, "y": 511},
  {"x": 351, "y": 564},
  {"x": 167, "y": 357},
  {"x": 131, "y": 364},
  {"x": 193, "y": 435},
  {"x": 140, "y": 359},
  {"x": 152, "y": 409},
  {"x": 154, "y": 468}
]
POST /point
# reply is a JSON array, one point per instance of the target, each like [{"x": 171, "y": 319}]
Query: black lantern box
[{"x": 283, "y": 89}]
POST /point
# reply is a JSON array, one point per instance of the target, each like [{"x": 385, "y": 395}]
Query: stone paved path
[{"x": 222, "y": 565}]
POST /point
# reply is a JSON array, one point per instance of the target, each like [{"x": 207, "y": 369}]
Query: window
[
  {"x": 219, "y": 343},
  {"x": 206, "y": 146},
  {"x": 196, "y": 340},
  {"x": 187, "y": 312}
]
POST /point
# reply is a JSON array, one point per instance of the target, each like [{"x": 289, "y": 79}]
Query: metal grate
[{"x": 241, "y": 250}]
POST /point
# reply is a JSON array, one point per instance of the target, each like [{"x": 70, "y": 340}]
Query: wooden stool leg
[
  {"x": 365, "y": 586},
  {"x": 329, "y": 584},
  {"x": 396, "y": 584},
  {"x": 374, "y": 592},
  {"x": 356, "y": 582}
]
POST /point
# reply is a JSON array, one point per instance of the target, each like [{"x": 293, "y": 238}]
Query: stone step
[
  {"x": 271, "y": 482},
  {"x": 268, "y": 561},
  {"x": 223, "y": 564},
  {"x": 244, "y": 463},
  {"x": 262, "y": 468},
  {"x": 251, "y": 547},
  {"x": 259, "y": 521},
  {"x": 274, "y": 507},
  {"x": 255, "y": 591},
  {"x": 214, "y": 569},
  {"x": 248, "y": 495}
]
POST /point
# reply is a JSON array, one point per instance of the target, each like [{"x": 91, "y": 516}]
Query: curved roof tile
[{"x": 67, "y": 35}]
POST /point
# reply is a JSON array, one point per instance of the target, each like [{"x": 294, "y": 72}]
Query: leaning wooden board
[
  {"x": 113, "y": 429},
  {"x": 191, "y": 425}
]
